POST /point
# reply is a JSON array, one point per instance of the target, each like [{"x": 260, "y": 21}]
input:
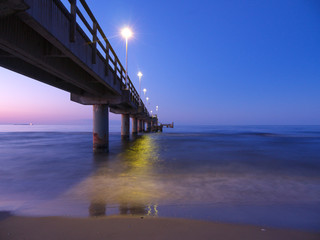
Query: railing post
[
  {"x": 94, "y": 42},
  {"x": 115, "y": 71},
  {"x": 107, "y": 60},
  {"x": 121, "y": 77},
  {"x": 73, "y": 23}
]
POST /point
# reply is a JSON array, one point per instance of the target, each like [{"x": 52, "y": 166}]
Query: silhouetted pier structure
[
  {"x": 156, "y": 127},
  {"x": 170, "y": 125}
]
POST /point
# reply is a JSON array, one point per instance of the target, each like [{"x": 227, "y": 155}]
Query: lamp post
[
  {"x": 147, "y": 100},
  {"x": 144, "y": 92},
  {"x": 140, "y": 75},
  {"x": 126, "y": 33},
  {"x": 157, "y": 108}
]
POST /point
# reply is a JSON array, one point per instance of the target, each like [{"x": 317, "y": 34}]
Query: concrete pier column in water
[
  {"x": 139, "y": 125},
  {"x": 125, "y": 125},
  {"x": 101, "y": 128},
  {"x": 134, "y": 125},
  {"x": 148, "y": 126}
]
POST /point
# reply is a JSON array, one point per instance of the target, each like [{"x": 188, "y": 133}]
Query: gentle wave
[{"x": 197, "y": 174}]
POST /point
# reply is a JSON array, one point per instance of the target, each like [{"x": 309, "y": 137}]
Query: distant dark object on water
[{"x": 160, "y": 127}]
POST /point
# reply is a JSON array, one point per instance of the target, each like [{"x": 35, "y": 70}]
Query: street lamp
[
  {"x": 140, "y": 75},
  {"x": 157, "y": 107},
  {"x": 147, "y": 100},
  {"x": 144, "y": 92},
  {"x": 126, "y": 33}
]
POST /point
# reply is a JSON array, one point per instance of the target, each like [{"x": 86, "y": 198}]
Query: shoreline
[{"x": 136, "y": 227}]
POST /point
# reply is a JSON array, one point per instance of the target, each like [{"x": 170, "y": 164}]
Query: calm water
[{"x": 266, "y": 175}]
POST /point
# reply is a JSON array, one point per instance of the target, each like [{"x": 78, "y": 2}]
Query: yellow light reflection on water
[
  {"x": 128, "y": 180},
  {"x": 141, "y": 157},
  {"x": 139, "y": 186}
]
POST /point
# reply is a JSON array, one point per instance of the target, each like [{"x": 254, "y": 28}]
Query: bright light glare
[
  {"x": 147, "y": 98},
  {"x": 139, "y": 74},
  {"x": 126, "y": 32},
  {"x": 144, "y": 90}
]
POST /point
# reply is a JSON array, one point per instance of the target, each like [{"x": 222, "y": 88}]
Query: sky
[{"x": 224, "y": 62}]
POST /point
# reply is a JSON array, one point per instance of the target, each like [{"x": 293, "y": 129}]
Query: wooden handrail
[
  {"x": 94, "y": 30},
  {"x": 84, "y": 20}
]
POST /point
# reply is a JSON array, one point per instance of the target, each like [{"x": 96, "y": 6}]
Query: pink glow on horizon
[{"x": 25, "y": 100}]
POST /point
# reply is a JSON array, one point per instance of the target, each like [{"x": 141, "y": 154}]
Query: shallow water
[{"x": 263, "y": 175}]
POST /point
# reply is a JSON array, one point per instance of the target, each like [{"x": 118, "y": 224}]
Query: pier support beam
[
  {"x": 101, "y": 128},
  {"x": 139, "y": 125},
  {"x": 125, "y": 125},
  {"x": 134, "y": 126},
  {"x": 148, "y": 126}
]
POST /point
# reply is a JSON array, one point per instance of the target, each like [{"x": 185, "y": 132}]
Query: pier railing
[{"x": 100, "y": 45}]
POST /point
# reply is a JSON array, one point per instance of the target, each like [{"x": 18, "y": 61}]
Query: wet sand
[{"x": 15, "y": 227}]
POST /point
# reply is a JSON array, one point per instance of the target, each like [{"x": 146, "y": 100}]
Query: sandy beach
[{"x": 15, "y": 227}]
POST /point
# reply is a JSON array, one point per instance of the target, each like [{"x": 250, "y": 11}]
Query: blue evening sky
[{"x": 204, "y": 62}]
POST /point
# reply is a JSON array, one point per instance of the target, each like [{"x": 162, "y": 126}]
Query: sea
[{"x": 262, "y": 175}]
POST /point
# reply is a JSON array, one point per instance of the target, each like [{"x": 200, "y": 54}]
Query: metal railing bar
[{"x": 84, "y": 20}]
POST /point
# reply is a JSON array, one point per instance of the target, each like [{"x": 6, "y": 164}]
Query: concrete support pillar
[
  {"x": 101, "y": 128},
  {"x": 139, "y": 125},
  {"x": 134, "y": 126},
  {"x": 148, "y": 126},
  {"x": 125, "y": 125}
]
